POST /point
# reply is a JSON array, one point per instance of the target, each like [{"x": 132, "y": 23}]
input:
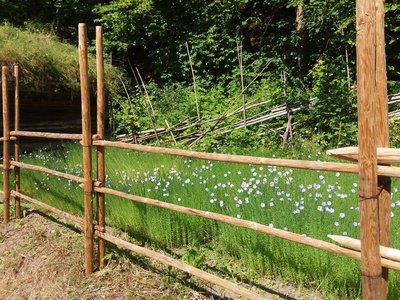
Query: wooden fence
[
  {"x": 387, "y": 257},
  {"x": 177, "y": 129}
]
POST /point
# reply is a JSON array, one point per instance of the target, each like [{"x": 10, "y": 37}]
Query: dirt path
[{"x": 41, "y": 257}]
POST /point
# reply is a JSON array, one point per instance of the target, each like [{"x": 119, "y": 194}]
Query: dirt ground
[{"x": 41, "y": 257}]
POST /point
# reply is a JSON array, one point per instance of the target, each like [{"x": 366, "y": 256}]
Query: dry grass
[{"x": 41, "y": 257}]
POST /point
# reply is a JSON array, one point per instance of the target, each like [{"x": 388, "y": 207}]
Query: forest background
[{"x": 309, "y": 47}]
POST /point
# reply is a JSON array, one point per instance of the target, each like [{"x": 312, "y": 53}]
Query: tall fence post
[
  {"x": 86, "y": 143},
  {"x": 17, "y": 173},
  {"x": 6, "y": 147},
  {"x": 382, "y": 127},
  {"x": 101, "y": 111},
  {"x": 371, "y": 268}
]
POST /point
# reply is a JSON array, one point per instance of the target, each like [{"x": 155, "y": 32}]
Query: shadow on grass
[{"x": 243, "y": 280}]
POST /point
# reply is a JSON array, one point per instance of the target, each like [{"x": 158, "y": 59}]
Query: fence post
[
  {"x": 17, "y": 173},
  {"x": 100, "y": 132},
  {"x": 86, "y": 143},
  {"x": 371, "y": 268},
  {"x": 6, "y": 147},
  {"x": 382, "y": 127}
]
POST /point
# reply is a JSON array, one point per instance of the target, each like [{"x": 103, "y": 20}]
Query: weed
[{"x": 194, "y": 257}]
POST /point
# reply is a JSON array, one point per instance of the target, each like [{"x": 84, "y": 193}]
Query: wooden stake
[
  {"x": 194, "y": 83},
  {"x": 382, "y": 128},
  {"x": 86, "y": 143},
  {"x": 101, "y": 110},
  {"x": 348, "y": 69},
  {"x": 154, "y": 124},
  {"x": 17, "y": 173},
  {"x": 240, "y": 59},
  {"x": 371, "y": 268},
  {"x": 6, "y": 147},
  {"x": 172, "y": 134},
  {"x": 289, "y": 129}
]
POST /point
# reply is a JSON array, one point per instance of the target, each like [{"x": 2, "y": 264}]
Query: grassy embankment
[
  {"x": 306, "y": 202},
  {"x": 45, "y": 63}
]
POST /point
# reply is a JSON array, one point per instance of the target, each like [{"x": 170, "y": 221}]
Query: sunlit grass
[{"x": 310, "y": 203}]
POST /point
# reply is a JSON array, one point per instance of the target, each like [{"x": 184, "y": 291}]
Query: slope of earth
[{"x": 41, "y": 257}]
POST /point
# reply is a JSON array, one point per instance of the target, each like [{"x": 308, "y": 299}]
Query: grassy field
[{"x": 311, "y": 203}]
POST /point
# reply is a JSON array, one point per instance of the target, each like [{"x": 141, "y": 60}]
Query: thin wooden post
[
  {"x": 194, "y": 83},
  {"x": 240, "y": 59},
  {"x": 101, "y": 110},
  {"x": 382, "y": 128},
  {"x": 153, "y": 124},
  {"x": 17, "y": 173},
  {"x": 6, "y": 147},
  {"x": 371, "y": 268},
  {"x": 168, "y": 127},
  {"x": 86, "y": 143}
]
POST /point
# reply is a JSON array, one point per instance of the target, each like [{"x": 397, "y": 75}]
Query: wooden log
[
  {"x": 394, "y": 98},
  {"x": 6, "y": 146},
  {"x": 386, "y": 252},
  {"x": 240, "y": 159},
  {"x": 12, "y": 138},
  {"x": 382, "y": 129},
  {"x": 17, "y": 173},
  {"x": 275, "y": 113},
  {"x": 175, "y": 128},
  {"x": 183, "y": 267},
  {"x": 48, "y": 171},
  {"x": 76, "y": 220},
  {"x": 48, "y": 135},
  {"x": 371, "y": 268},
  {"x": 294, "y": 237},
  {"x": 86, "y": 143},
  {"x": 2, "y": 166},
  {"x": 101, "y": 112},
  {"x": 385, "y": 156}
]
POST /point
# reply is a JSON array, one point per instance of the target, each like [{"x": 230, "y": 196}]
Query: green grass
[
  {"x": 306, "y": 202},
  {"x": 43, "y": 58}
]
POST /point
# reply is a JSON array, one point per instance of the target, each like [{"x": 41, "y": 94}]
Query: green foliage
[
  {"x": 394, "y": 130},
  {"x": 173, "y": 102},
  {"x": 127, "y": 112},
  {"x": 332, "y": 119},
  {"x": 194, "y": 257},
  {"x": 59, "y": 17}
]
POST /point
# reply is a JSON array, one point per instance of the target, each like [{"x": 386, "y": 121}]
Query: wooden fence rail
[{"x": 89, "y": 186}]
